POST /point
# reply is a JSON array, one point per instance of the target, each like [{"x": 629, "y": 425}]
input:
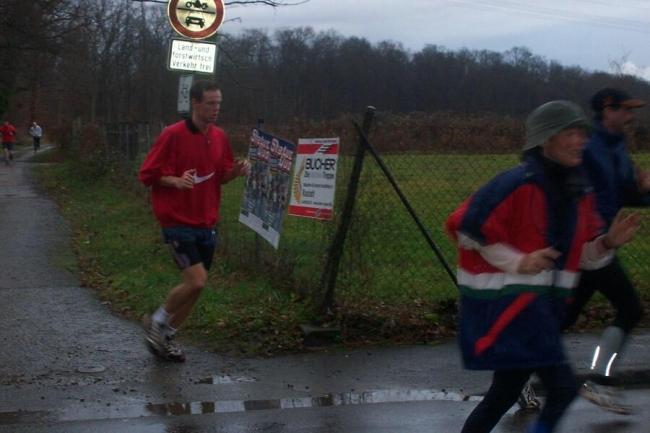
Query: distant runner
[
  {"x": 36, "y": 132},
  {"x": 8, "y": 132}
]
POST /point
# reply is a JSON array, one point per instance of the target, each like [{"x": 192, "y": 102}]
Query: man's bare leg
[
  {"x": 182, "y": 298},
  {"x": 162, "y": 325}
]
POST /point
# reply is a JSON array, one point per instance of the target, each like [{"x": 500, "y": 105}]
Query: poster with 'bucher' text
[{"x": 314, "y": 181}]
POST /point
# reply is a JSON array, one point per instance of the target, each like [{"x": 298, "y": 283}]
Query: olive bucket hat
[{"x": 550, "y": 118}]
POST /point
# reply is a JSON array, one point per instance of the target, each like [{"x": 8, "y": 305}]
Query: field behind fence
[
  {"x": 437, "y": 161},
  {"x": 386, "y": 257}
]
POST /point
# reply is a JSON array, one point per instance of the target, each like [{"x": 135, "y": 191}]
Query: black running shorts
[{"x": 191, "y": 245}]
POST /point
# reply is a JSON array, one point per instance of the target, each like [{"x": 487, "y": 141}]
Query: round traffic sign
[{"x": 195, "y": 19}]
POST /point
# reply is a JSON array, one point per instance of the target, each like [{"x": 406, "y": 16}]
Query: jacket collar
[
  {"x": 191, "y": 126},
  {"x": 571, "y": 181},
  {"x": 539, "y": 167},
  {"x": 606, "y": 136}
]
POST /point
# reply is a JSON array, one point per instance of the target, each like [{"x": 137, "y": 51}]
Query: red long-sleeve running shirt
[
  {"x": 8, "y": 133},
  {"x": 181, "y": 147}
]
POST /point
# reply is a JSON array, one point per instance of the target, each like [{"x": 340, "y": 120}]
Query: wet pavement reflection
[
  {"x": 223, "y": 380},
  {"x": 327, "y": 400},
  {"x": 88, "y": 370}
]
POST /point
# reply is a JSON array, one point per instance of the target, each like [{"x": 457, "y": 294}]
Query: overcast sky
[{"x": 588, "y": 33}]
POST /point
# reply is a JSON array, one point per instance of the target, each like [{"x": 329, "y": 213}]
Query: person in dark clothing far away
[{"x": 36, "y": 132}]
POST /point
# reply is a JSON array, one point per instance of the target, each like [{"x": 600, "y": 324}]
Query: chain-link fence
[
  {"x": 129, "y": 140},
  {"x": 436, "y": 159}
]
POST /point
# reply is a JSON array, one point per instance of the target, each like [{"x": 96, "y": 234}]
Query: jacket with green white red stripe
[{"x": 510, "y": 320}]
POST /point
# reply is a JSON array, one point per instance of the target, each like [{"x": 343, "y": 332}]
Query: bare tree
[
  {"x": 104, "y": 63},
  {"x": 27, "y": 37}
]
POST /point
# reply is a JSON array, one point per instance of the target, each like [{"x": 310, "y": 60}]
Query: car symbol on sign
[
  {"x": 194, "y": 20},
  {"x": 196, "y": 4}
]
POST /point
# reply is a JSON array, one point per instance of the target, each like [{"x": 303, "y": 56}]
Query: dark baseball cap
[{"x": 615, "y": 98}]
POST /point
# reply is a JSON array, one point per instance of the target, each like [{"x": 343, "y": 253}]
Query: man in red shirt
[
  {"x": 185, "y": 169},
  {"x": 8, "y": 132}
]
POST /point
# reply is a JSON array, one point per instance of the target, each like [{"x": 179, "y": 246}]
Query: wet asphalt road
[{"x": 69, "y": 365}]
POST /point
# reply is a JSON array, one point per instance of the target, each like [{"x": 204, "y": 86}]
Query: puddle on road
[
  {"x": 91, "y": 412},
  {"x": 23, "y": 416},
  {"x": 91, "y": 369},
  {"x": 223, "y": 380},
  {"x": 342, "y": 399}
]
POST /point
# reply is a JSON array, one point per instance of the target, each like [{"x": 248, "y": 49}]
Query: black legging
[
  {"x": 614, "y": 284},
  {"x": 559, "y": 381}
]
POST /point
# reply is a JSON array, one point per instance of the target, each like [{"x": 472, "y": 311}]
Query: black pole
[
  {"x": 364, "y": 139},
  {"x": 258, "y": 238},
  {"x": 328, "y": 279}
]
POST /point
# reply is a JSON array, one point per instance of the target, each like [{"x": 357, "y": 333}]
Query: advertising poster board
[
  {"x": 267, "y": 188},
  {"x": 314, "y": 180}
]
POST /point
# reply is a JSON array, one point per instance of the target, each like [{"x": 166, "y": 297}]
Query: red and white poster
[{"x": 314, "y": 178}]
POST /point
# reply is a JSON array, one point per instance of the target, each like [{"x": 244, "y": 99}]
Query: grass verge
[{"x": 120, "y": 253}]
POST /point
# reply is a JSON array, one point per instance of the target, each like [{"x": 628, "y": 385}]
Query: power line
[
  {"x": 645, "y": 7},
  {"x": 556, "y": 14}
]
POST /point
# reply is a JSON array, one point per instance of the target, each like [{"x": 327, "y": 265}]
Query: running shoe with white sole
[
  {"x": 607, "y": 397},
  {"x": 160, "y": 344},
  {"x": 528, "y": 399}
]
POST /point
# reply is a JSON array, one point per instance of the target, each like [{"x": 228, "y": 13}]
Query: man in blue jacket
[{"x": 617, "y": 183}]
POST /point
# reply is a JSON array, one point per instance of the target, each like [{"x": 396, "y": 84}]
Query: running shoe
[
  {"x": 607, "y": 397},
  {"x": 528, "y": 399},
  {"x": 159, "y": 344}
]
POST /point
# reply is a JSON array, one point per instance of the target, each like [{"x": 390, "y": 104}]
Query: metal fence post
[
  {"x": 258, "y": 238},
  {"x": 331, "y": 270},
  {"x": 127, "y": 140},
  {"x": 363, "y": 136}
]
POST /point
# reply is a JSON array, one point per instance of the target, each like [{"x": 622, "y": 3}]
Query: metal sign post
[
  {"x": 193, "y": 19},
  {"x": 184, "y": 85}
]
